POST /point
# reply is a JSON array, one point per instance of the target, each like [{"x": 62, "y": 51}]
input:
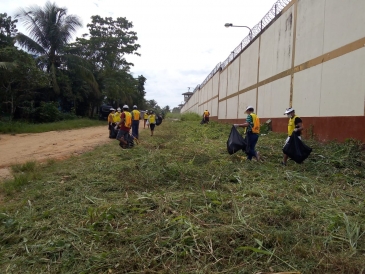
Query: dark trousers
[
  {"x": 252, "y": 141},
  {"x": 135, "y": 127}
]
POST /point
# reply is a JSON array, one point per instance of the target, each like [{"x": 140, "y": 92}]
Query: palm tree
[{"x": 50, "y": 30}]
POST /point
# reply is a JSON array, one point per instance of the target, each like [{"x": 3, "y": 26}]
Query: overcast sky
[{"x": 181, "y": 41}]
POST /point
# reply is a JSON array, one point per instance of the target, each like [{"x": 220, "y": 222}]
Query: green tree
[
  {"x": 152, "y": 105},
  {"x": 138, "y": 96},
  {"x": 20, "y": 83},
  {"x": 176, "y": 110},
  {"x": 106, "y": 48},
  {"x": 50, "y": 30},
  {"x": 7, "y": 30},
  {"x": 166, "y": 109},
  {"x": 110, "y": 41}
]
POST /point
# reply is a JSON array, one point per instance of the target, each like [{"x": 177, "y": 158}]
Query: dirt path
[{"x": 20, "y": 148}]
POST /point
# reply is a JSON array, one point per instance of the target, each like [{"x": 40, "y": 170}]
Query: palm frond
[
  {"x": 7, "y": 65},
  {"x": 29, "y": 44},
  {"x": 81, "y": 67}
]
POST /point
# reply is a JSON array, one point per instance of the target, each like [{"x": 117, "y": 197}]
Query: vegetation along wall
[{"x": 311, "y": 56}]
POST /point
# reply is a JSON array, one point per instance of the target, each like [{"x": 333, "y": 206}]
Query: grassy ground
[
  {"x": 21, "y": 127},
  {"x": 178, "y": 203}
]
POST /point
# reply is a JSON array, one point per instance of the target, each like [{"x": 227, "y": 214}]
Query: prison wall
[{"x": 312, "y": 58}]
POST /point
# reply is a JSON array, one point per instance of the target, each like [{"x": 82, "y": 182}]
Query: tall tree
[
  {"x": 50, "y": 29},
  {"x": 138, "y": 96},
  {"x": 7, "y": 30},
  {"x": 106, "y": 48},
  {"x": 20, "y": 83},
  {"x": 110, "y": 41}
]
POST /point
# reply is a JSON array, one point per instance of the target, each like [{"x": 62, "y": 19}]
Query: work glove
[{"x": 235, "y": 125}]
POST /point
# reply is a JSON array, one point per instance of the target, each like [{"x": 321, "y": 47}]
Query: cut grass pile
[
  {"x": 178, "y": 203},
  {"x": 22, "y": 127}
]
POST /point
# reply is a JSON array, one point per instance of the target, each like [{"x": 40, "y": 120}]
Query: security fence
[{"x": 255, "y": 31}]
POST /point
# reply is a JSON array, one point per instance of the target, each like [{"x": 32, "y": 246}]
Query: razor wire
[{"x": 255, "y": 31}]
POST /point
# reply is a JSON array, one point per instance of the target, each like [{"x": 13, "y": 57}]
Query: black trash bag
[
  {"x": 296, "y": 149},
  {"x": 235, "y": 141},
  {"x": 158, "y": 120},
  {"x": 130, "y": 142},
  {"x": 113, "y": 133}
]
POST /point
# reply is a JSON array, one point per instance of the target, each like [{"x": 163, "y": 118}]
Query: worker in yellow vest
[
  {"x": 252, "y": 126},
  {"x": 152, "y": 121},
  {"x": 295, "y": 125},
  {"x": 111, "y": 123},
  {"x": 145, "y": 118},
  {"x": 117, "y": 115},
  {"x": 136, "y": 115},
  {"x": 124, "y": 127},
  {"x": 206, "y": 115}
]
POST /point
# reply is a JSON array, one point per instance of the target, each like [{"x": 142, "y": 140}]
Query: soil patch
[{"x": 21, "y": 148}]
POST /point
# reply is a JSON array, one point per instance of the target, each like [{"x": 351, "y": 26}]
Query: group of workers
[
  {"x": 122, "y": 121},
  {"x": 252, "y": 128}
]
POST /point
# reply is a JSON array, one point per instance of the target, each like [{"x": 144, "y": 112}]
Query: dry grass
[{"x": 178, "y": 203}]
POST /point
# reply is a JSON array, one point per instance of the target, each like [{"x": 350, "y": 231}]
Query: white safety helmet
[{"x": 288, "y": 110}]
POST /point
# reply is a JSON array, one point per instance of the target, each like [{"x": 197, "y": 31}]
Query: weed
[{"x": 179, "y": 203}]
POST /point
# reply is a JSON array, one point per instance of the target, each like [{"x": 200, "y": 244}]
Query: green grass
[
  {"x": 178, "y": 203},
  {"x": 22, "y": 127}
]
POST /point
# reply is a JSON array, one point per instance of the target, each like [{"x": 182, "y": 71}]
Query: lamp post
[{"x": 227, "y": 25}]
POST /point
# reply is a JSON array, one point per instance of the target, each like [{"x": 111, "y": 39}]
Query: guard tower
[{"x": 187, "y": 96}]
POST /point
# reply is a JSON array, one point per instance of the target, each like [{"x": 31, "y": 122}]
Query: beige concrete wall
[
  {"x": 209, "y": 86},
  {"x": 312, "y": 57},
  {"x": 232, "y": 108},
  {"x": 215, "y": 84},
  {"x": 214, "y": 107},
  {"x": 248, "y": 66},
  {"x": 310, "y": 27},
  {"x": 223, "y": 83},
  {"x": 222, "y": 108},
  {"x": 233, "y": 76},
  {"x": 344, "y": 23},
  {"x": 277, "y": 46},
  {"x": 343, "y": 84},
  {"x": 307, "y": 95},
  {"x": 273, "y": 98},
  {"x": 246, "y": 99}
]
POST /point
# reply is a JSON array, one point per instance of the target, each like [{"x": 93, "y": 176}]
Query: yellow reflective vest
[
  {"x": 110, "y": 118},
  {"x": 116, "y": 117},
  {"x": 127, "y": 119},
  {"x": 291, "y": 125},
  {"x": 136, "y": 114},
  {"x": 256, "y": 123},
  {"x": 152, "y": 119}
]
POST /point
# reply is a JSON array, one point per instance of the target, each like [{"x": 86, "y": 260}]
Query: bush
[
  {"x": 190, "y": 117},
  {"x": 47, "y": 112}
]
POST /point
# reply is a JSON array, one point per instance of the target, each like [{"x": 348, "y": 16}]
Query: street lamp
[{"x": 227, "y": 25}]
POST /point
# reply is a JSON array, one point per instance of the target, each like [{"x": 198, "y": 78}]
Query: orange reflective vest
[{"x": 256, "y": 123}]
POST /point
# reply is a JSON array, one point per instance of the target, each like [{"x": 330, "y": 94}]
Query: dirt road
[{"x": 20, "y": 148}]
